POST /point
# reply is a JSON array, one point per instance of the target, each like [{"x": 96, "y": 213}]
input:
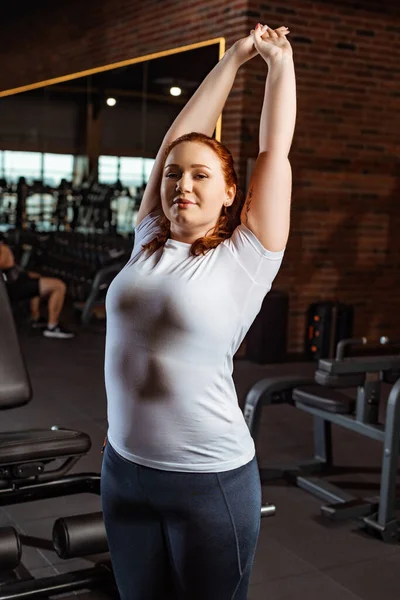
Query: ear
[{"x": 230, "y": 195}]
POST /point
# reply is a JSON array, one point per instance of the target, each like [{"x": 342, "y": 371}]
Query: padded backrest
[{"x": 15, "y": 385}]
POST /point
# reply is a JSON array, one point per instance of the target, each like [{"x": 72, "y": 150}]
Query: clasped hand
[{"x": 270, "y": 43}]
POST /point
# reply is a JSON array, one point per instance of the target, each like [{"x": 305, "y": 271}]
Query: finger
[
  {"x": 256, "y": 34},
  {"x": 259, "y": 30},
  {"x": 261, "y": 35},
  {"x": 257, "y": 40},
  {"x": 272, "y": 33},
  {"x": 282, "y": 31}
]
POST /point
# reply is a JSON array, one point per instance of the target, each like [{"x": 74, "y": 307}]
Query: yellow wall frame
[{"x": 124, "y": 63}]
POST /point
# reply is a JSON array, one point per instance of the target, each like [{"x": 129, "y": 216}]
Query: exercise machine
[
  {"x": 323, "y": 398},
  {"x": 27, "y": 473}
]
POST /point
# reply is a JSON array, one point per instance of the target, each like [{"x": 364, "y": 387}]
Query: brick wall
[{"x": 344, "y": 240}]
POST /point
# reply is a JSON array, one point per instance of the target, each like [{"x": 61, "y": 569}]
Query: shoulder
[
  {"x": 260, "y": 264},
  {"x": 244, "y": 240},
  {"x": 151, "y": 217}
]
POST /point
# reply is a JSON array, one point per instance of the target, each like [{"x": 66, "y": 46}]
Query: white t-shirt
[{"x": 174, "y": 322}]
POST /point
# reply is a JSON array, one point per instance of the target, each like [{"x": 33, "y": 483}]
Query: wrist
[
  {"x": 277, "y": 62},
  {"x": 232, "y": 58}
]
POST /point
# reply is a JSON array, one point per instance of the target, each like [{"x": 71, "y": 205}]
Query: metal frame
[
  {"x": 378, "y": 513},
  {"x": 35, "y": 589},
  {"x": 82, "y": 483},
  {"x": 99, "y": 576},
  {"x": 101, "y": 281}
]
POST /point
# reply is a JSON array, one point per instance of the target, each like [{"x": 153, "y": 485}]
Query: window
[
  {"x": 108, "y": 169},
  {"x": 22, "y": 164},
  {"x": 2, "y": 165},
  {"x": 132, "y": 171},
  {"x": 148, "y": 166},
  {"x": 57, "y": 167},
  {"x": 51, "y": 168}
]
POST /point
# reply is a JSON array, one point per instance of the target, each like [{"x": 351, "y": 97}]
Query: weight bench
[
  {"x": 27, "y": 473},
  {"x": 327, "y": 404}
]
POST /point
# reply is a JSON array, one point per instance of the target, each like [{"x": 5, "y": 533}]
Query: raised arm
[
  {"x": 200, "y": 114},
  {"x": 267, "y": 208}
]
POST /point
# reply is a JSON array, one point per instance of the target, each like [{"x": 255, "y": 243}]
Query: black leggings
[{"x": 174, "y": 535}]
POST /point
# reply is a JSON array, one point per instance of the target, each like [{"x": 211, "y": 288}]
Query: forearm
[
  {"x": 278, "y": 114},
  {"x": 200, "y": 115},
  {"x": 201, "y": 112}
]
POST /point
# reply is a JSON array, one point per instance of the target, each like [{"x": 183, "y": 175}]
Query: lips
[{"x": 183, "y": 201}]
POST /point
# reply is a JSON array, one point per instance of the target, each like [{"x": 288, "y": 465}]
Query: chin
[{"x": 180, "y": 219}]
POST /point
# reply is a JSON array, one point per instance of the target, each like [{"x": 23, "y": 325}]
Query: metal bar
[
  {"x": 354, "y": 509},
  {"x": 36, "y": 542},
  {"x": 34, "y": 589},
  {"x": 368, "y": 396},
  {"x": 66, "y": 486},
  {"x": 391, "y": 443},
  {"x": 323, "y": 489},
  {"x": 375, "y": 432},
  {"x": 323, "y": 441},
  {"x": 341, "y": 505},
  {"x": 267, "y": 510},
  {"x": 270, "y": 390}
]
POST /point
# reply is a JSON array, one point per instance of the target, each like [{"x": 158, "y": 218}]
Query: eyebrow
[{"x": 193, "y": 166}]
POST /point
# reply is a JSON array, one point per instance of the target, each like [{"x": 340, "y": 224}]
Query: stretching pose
[{"x": 180, "y": 486}]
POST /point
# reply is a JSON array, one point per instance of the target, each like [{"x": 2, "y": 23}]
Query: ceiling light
[
  {"x": 111, "y": 101},
  {"x": 175, "y": 91}
]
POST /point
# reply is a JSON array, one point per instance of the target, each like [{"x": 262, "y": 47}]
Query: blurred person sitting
[{"x": 24, "y": 285}]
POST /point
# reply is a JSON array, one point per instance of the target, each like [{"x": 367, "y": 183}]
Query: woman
[{"x": 181, "y": 492}]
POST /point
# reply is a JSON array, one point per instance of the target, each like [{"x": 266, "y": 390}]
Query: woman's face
[{"x": 193, "y": 190}]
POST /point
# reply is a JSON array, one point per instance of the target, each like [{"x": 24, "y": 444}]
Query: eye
[
  {"x": 171, "y": 175},
  {"x": 201, "y": 176}
]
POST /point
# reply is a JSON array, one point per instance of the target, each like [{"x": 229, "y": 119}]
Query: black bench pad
[
  {"x": 324, "y": 399},
  {"x": 41, "y": 444}
]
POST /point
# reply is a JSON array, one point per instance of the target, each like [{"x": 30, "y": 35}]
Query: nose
[{"x": 185, "y": 183}]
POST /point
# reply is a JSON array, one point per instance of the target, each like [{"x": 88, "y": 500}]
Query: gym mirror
[{"x": 76, "y": 152}]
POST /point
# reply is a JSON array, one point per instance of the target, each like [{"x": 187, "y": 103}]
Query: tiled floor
[{"x": 299, "y": 556}]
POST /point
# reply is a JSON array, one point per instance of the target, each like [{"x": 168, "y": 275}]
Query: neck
[{"x": 188, "y": 237}]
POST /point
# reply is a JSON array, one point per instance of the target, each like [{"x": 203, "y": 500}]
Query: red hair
[{"x": 229, "y": 218}]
